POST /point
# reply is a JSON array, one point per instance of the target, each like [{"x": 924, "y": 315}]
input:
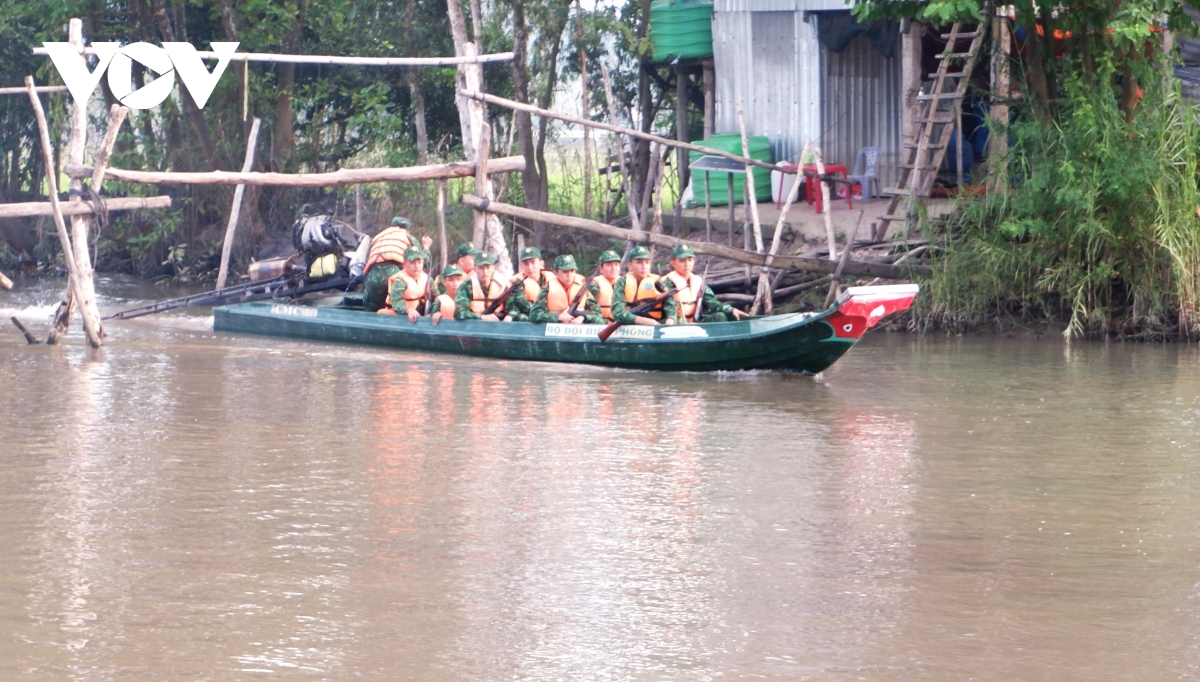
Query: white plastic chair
[{"x": 866, "y": 173}]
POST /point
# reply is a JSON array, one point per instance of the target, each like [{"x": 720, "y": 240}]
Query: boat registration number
[
  {"x": 293, "y": 310},
  {"x": 584, "y": 331}
]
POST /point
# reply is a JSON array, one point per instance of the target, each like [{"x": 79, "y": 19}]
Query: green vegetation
[
  {"x": 1099, "y": 231},
  {"x": 1095, "y": 228}
]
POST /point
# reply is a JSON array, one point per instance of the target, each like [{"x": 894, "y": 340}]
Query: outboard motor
[{"x": 323, "y": 244}]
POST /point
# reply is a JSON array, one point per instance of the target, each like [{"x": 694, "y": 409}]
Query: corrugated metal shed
[
  {"x": 860, "y": 106},
  {"x": 767, "y": 58}
]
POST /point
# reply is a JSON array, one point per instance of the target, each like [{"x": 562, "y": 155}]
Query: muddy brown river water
[{"x": 201, "y": 506}]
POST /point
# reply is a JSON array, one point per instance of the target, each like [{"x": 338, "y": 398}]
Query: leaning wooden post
[
  {"x": 763, "y": 296},
  {"x": 482, "y": 185},
  {"x": 358, "y": 209},
  {"x": 826, "y": 207},
  {"x": 5, "y": 282},
  {"x": 631, "y": 197},
  {"x": 707, "y": 207},
  {"x": 236, "y": 209},
  {"x": 441, "y": 216},
  {"x": 76, "y": 143},
  {"x": 74, "y": 288},
  {"x": 116, "y": 116},
  {"x": 729, "y": 203},
  {"x": 751, "y": 197}
]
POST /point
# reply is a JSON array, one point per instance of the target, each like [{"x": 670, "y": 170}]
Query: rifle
[
  {"x": 643, "y": 308},
  {"x": 491, "y": 307},
  {"x": 573, "y": 309},
  {"x": 284, "y": 286}
]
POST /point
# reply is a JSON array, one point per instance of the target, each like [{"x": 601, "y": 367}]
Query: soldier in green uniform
[
  {"x": 466, "y": 306},
  {"x": 519, "y": 303},
  {"x": 444, "y": 305},
  {"x": 695, "y": 296},
  {"x": 556, "y": 296},
  {"x": 410, "y": 287},
  {"x": 600, "y": 287},
  {"x": 634, "y": 286},
  {"x": 464, "y": 258}
]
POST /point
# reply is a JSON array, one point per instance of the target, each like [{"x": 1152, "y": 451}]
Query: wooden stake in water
[
  {"x": 441, "y": 216},
  {"x": 763, "y": 297},
  {"x": 236, "y": 210}
]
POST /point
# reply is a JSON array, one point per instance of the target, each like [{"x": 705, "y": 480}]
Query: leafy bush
[{"x": 1099, "y": 229}]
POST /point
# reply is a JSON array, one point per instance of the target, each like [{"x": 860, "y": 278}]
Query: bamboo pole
[
  {"x": 763, "y": 296},
  {"x": 858, "y": 268},
  {"x": 236, "y": 209},
  {"x": 358, "y": 208},
  {"x": 73, "y": 208},
  {"x": 511, "y": 104},
  {"x": 91, "y": 327},
  {"x": 584, "y": 109},
  {"x": 40, "y": 89},
  {"x": 826, "y": 207},
  {"x": 631, "y": 198},
  {"x": 835, "y": 285},
  {"x": 482, "y": 186},
  {"x": 29, "y": 338},
  {"x": 335, "y": 60},
  {"x": 347, "y": 176},
  {"x": 441, "y": 217},
  {"x": 751, "y": 196},
  {"x": 659, "y": 173},
  {"x": 116, "y": 116}
]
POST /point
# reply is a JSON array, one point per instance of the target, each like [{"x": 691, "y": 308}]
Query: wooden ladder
[{"x": 939, "y": 114}]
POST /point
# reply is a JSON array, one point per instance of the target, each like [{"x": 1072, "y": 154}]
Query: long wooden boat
[{"x": 804, "y": 342}]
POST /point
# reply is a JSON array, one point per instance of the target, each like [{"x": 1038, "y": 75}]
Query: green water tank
[
  {"x": 760, "y": 149},
  {"x": 681, "y": 29}
]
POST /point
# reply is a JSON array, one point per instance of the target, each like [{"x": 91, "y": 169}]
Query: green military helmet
[
  {"x": 467, "y": 249},
  {"x": 452, "y": 271},
  {"x": 610, "y": 256},
  {"x": 682, "y": 251},
  {"x": 530, "y": 252},
  {"x": 414, "y": 253},
  {"x": 565, "y": 262},
  {"x": 485, "y": 258},
  {"x": 639, "y": 252},
  {"x": 400, "y": 222}
]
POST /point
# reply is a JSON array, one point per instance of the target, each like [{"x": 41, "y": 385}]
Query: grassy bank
[{"x": 1098, "y": 233}]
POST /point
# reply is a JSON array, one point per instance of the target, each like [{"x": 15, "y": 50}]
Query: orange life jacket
[
  {"x": 604, "y": 295},
  {"x": 559, "y": 299},
  {"x": 531, "y": 286},
  {"x": 446, "y": 305},
  {"x": 414, "y": 289},
  {"x": 388, "y": 246},
  {"x": 480, "y": 302},
  {"x": 638, "y": 292},
  {"x": 690, "y": 290}
]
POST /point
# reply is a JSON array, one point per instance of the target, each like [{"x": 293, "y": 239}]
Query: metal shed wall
[
  {"x": 860, "y": 106},
  {"x": 769, "y": 62}
]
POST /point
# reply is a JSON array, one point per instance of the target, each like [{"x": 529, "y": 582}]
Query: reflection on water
[{"x": 225, "y": 507}]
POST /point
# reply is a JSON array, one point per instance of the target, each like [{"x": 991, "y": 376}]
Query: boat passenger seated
[
  {"x": 563, "y": 291},
  {"x": 443, "y": 304},
  {"x": 464, "y": 258},
  {"x": 601, "y": 287},
  {"x": 636, "y": 287},
  {"x": 694, "y": 298},
  {"x": 532, "y": 276},
  {"x": 478, "y": 294},
  {"x": 385, "y": 259},
  {"x": 408, "y": 290}
]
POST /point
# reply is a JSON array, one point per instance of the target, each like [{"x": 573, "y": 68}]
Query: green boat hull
[{"x": 803, "y": 342}]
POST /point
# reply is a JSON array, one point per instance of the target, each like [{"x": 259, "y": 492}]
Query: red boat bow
[{"x": 860, "y": 308}]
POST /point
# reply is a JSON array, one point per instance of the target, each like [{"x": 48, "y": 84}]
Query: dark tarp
[{"x": 835, "y": 30}]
